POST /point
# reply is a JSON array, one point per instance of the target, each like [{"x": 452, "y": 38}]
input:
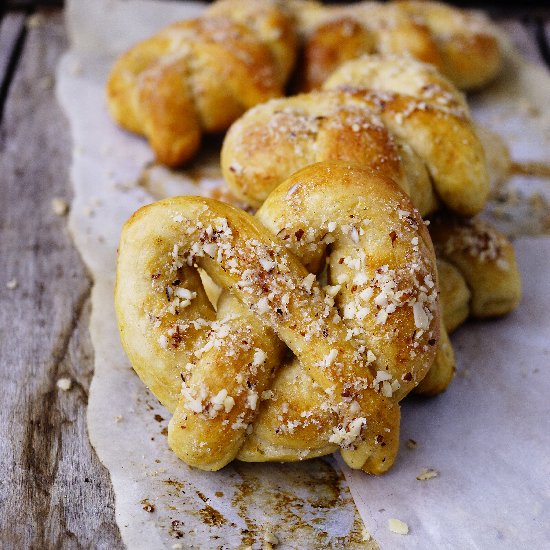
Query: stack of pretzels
[
  {"x": 200, "y": 75},
  {"x": 336, "y": 296}
]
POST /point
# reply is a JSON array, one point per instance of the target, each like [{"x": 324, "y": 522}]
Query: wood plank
[
  {"x": 12, "y": 28},
  {"x": 546, "y": 39},
  {"x": 54, "y": 492}
]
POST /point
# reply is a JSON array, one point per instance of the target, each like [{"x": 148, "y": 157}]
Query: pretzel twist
[
  {"x": 462, "y": 44},
  {"x": 200, "y": 75},
  {"x": 360, "y": 344},
  {"x": 485, "y": 260},
  {"x": 393, "y": 115},
  {"x": 478, "y": 276}
]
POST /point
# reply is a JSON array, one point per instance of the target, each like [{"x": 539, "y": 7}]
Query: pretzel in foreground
[{"x": 359, "y": 344}]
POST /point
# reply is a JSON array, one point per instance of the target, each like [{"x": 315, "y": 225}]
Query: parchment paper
[{"x": 488, "y": 435}]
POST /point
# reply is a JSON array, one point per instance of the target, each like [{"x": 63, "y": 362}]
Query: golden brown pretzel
[
  {"x": 461, "y": 43},
  {"x": 485, "y": 260},
  {"x": 478, "y": 277},
  {"x": 333, "y": 35},
  {"x": 466, "y": 40},
  {"x": 360, "y": 344},
  {"x": 200, "y": 75},
  {"x": 413, "y": 125}
]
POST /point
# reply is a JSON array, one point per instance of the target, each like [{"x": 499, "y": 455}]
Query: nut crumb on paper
[
  {"x": 427, "y": 473},
  {"x": 64, "y": 384},
  {"x": 397, "y": 526},
  {"x": 147, "y": 506},
  {"x": 270, "y": 540},
  {"x": 366, "y": 535},
  {"x": 411, "y": 444}
]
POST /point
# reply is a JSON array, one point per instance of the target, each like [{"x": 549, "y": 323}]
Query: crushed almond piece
[
  {"x": 270, "y": 538},
  {"x": 12, "y": 284},
  {"x": 147, "y": 506},
  {"x": 427, "y": 473},
  {"x": 411, "y": 444},
  {"x": 60, "y": 207},
  {"x": 64, "y": 384},
  {"x": 365, "y": 534},
  {"x": 397, "y": 526}
]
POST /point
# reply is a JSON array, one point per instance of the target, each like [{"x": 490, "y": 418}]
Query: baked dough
[
  {"x": 462, "y": 44},
  {"x": 200, "y": 75},
  {"x": 359, "y": 344},
  {"x": 396, "y": 116}
]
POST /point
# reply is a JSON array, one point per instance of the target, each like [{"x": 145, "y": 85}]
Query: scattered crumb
[
  {"x": 88, "y": 211},
  {"x": 59, "y": 206},
  {"x": 365, "y": 534},
  {"x": 12, "y": 284},
  {"x": 526, "y": 107},
  {"x": 34, "y": 21},
  {"x": 397, "y": 526},
  {"x": 177, "y": 546},
  {"x": 118, "y": 418},
  {"x": 64, "y": 384},
  {"x": 45, "y": 83},
  {"x": 147, "y": 506},
  {"x": 411, "y": 444},
  {"x": 75, "y": 68},
  {"x": 427, "y": 473},
  {"x": 270, "y": 539}
]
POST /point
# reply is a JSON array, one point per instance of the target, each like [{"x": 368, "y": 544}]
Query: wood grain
[{"x": 54, "y": 493}]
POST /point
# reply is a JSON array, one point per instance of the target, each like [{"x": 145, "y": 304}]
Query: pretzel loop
[{"x": 361, "y": 346}]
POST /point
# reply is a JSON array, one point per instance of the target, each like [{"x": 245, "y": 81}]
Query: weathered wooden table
[{"x": 54, "y": 492}]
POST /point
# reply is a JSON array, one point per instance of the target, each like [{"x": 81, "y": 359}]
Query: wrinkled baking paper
[{"x": 487, "y": 436}]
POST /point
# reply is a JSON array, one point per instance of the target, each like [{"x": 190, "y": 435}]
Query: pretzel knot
[{"x": 284, "y": 369}]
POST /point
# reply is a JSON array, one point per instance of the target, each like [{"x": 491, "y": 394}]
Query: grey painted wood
[
  {"x": 54, "y": 493},
  {"x": 11, "y": 27}
]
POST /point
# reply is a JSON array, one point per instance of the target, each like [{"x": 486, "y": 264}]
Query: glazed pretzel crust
[
  {"x": 462, "y": 44},
  {"x": 393, "y": 115},
  {"x": 200, "y": 75},
  {"x": 358, "y": 348}
]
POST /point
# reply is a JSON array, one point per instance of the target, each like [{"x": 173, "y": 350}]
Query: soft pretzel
[
  {"x": 485, "y": 259},
  {"x": 200, "y": 75},
  {"x": 462, "y": 44},
  {"x": 478, "y": 277},
  {"x": 413, "y": 125},
  {"x": 467, "y": 41},
  {"x": 360, "y": 344}
]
